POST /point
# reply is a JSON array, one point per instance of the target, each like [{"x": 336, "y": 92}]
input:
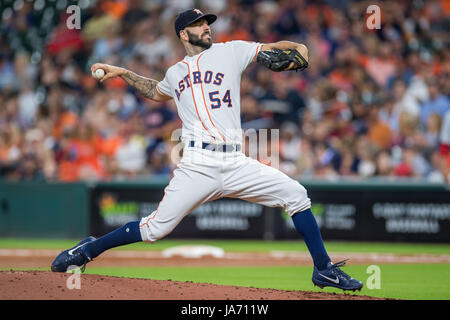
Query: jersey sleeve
[
  {"x": 164, "y": 86},
  {"x": 245, "y": 52}
]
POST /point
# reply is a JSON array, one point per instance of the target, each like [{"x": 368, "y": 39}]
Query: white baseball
[{"x": 98, "y": 74}]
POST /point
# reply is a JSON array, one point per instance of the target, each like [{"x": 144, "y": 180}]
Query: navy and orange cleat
[
  {"x": 333, "y": 276},
  {"x": 73, "y": 257}
]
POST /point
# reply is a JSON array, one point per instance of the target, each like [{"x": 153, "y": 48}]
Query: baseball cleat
[
  {"x": 75, "y": 256},
  {"x": 333, "y": 276}
]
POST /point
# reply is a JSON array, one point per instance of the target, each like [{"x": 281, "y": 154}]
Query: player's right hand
[{"x": 110, "y": 71}]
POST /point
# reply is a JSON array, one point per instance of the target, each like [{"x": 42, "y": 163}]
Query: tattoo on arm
[{"x": 145, "y": 86}]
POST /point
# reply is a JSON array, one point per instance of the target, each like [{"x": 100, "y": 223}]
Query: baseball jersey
[{"x": 206, "y": 91}]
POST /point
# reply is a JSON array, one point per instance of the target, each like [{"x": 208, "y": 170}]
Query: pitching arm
[{"x": 145, "y": 86}]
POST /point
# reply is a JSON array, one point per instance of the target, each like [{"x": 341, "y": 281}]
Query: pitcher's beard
[{"x": 198, "y": 41}]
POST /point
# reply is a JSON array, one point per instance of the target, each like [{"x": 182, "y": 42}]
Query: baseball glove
[{"x": 279, "y": 60}]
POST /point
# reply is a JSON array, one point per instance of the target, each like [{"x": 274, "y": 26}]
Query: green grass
[
  {"x": 244, "y": 245},
  {"x": 416, "y": 281},
  {"x": 409, "y": 282},
  {"x": 403, "y": 281}
]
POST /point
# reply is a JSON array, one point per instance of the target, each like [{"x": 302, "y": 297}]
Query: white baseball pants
[{"x": 204, "y": 175}]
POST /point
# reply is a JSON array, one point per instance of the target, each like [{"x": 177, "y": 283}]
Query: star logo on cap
[{"x": 198, "y": 11}]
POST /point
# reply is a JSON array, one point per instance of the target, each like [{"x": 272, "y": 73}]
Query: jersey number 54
[{"x": 214, "y": 97}]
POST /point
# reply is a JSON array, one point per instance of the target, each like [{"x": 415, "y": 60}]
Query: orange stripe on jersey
[
  {"x": 257, "y": 50},
  {"x": 204, "y": 101},
  {"x": 193, "y": 98}
]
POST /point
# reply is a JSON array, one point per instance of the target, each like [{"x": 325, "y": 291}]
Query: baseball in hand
[{"x": 98, "y": 74}]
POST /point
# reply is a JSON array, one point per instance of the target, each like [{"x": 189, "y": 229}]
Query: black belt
[{"x": 218, "y": 147}]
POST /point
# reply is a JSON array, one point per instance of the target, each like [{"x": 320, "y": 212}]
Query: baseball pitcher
[{"x": 205, "y": 87}]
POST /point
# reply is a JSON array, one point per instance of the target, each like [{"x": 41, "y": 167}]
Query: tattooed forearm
[{"x": 145, "y": 86}]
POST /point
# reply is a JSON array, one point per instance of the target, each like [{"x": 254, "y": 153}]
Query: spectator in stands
[
  {"x": 30, "y": 169},
  {"x": 372, "y": 102},
  {"x": 130, "y": 155},
  {"x": 437, "y": 103},
  {"x": 85, "y": 150}
]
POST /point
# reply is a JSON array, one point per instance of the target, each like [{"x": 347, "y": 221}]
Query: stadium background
[
  {"x": 358, "y": 128},
  {"x": 371, "y": 104}
]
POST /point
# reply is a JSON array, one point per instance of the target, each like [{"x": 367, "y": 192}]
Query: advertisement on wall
[
  {"x": 377, "y": 216},
  {"x": 350, "y": 214}
]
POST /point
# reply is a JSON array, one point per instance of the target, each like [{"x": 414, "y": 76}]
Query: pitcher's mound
[{"x": 44, "y": 285}]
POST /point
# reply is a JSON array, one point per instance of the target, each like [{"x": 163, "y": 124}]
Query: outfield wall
[
  {"x": 375, "y": 211},
  {"x": 51, "y": 210}
]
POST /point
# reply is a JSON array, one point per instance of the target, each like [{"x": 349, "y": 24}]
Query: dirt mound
[{"x": 44, "y": 285}]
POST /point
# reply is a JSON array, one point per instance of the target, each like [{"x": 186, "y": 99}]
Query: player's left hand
[
  {"x": 302, "y": 63},
  {"x": 283, "y": 60}
]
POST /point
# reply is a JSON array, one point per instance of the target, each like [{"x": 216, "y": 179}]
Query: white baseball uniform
[{"x": 206, "y": 90}]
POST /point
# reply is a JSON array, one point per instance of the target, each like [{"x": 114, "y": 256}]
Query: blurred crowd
[{"x": 372, "y": 102}]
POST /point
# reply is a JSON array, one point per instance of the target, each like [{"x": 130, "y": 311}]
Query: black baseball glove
[{"x": 279, "y": 60}]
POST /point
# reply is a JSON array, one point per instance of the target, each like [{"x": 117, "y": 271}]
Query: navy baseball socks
[
  {"x": 90, "y": 247},
  {"x": 325, "y": 274},
  {"x": 306, "y": 225},
  {"x": 129, "y": 233}
]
